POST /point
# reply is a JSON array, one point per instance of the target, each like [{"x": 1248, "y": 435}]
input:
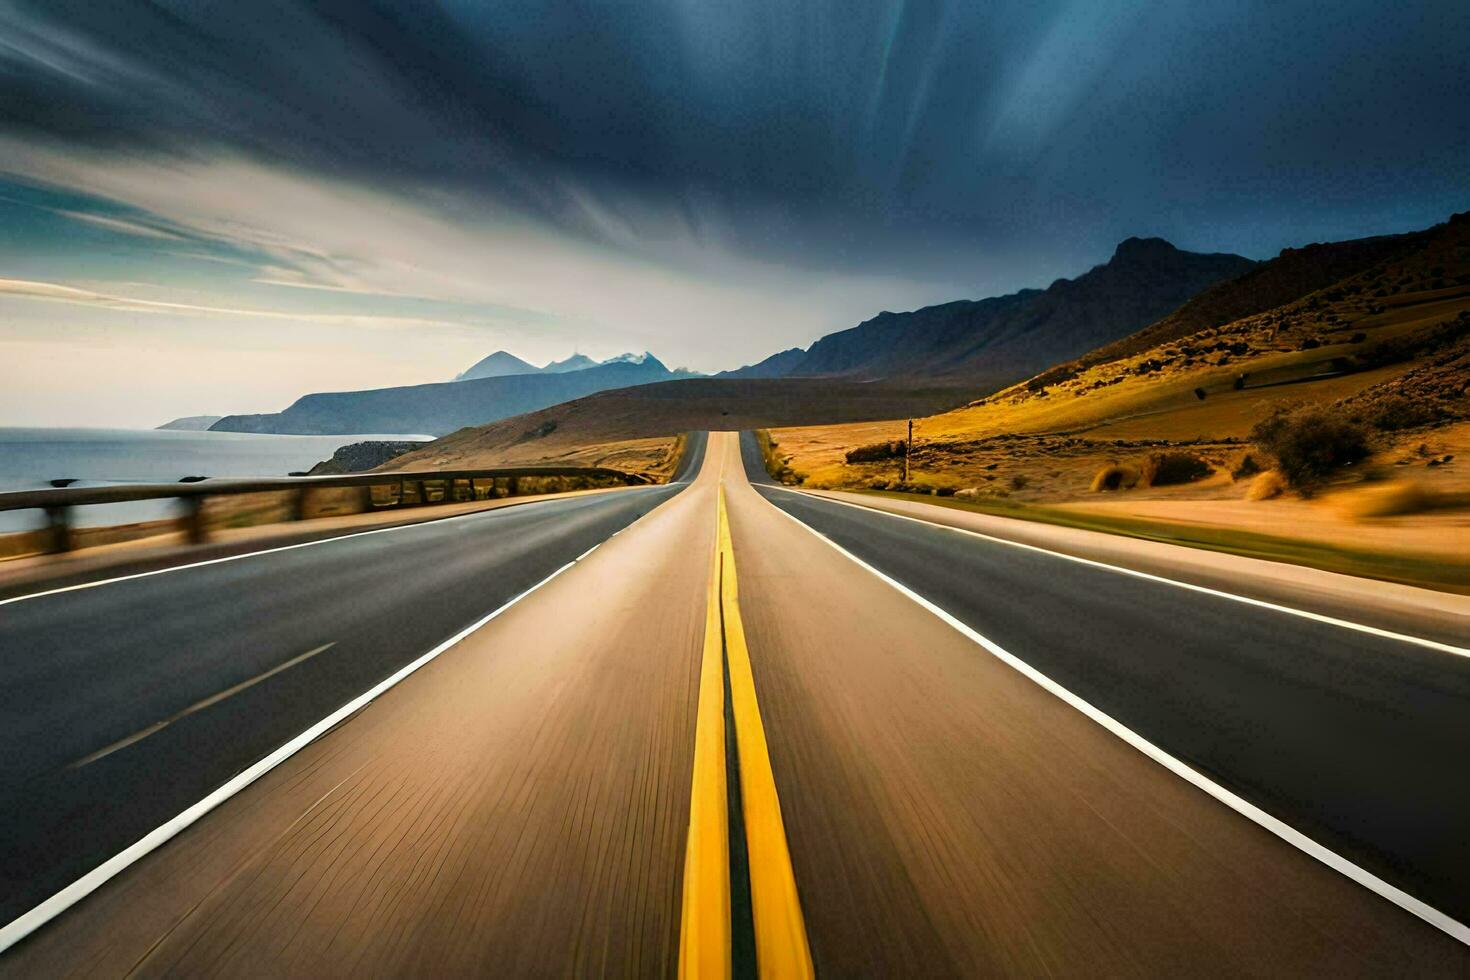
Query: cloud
[
  {"x": 710, "y": 181},
  {"x": 57, "y": 293},
  {"x": 707, "y": 304},
  {"x": 122, "y": 225}
]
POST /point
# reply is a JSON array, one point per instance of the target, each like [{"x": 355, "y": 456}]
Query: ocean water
[{"x": 31, "y": 458}]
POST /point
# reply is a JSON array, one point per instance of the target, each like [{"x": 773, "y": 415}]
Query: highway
[
  {"x": 747, "y": 728},
  {"x": 85, "y": 670}
]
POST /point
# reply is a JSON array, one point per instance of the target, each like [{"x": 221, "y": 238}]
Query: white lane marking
[
  {"x": 290, "y": 547},
  {"x": 197, "y": 706},
  {"x": 22, "y": 926},
  {"x": 1205, "y": 590},
  {"x": 1246, "y": 809}
]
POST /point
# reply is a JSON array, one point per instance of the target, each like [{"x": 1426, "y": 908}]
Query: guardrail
[{"x": 405, "y": 489}]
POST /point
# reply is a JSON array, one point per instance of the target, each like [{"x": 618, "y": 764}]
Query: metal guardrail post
[
  {"x": 298, "y": 504},
  {"x": 195, "y": 526},
  {"x": 58, "y": 522}
]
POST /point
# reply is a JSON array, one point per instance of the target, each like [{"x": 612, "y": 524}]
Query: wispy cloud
[
  {"x": 122, "y": 225},
  {"x": 58, "y": 293}
]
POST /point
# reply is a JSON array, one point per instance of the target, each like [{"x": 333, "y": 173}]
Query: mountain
[
  {"x": 444, "y": 407},
  {"x": 1294, "y": 273},
  {"x": 577, "y": 362},
  {"x": 501, "y": 364},
  {"x": 778, "y": 365},
  {"x": 992, "y": 342},
  {"x": 1371, "y": 322},
  {"x": 192, "y": 423}
]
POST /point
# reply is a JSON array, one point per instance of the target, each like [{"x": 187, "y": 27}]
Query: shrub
[
  {"x": 1266, "y": 485},
  {"x": 1167, "y": 469},
  {"x": 1248, "y": 467},
  {"x": 1309, "y": 443},
  {"x": 1115, "y": 476},
  {"x": 877, "y": 451},
  {"x": 1019, "y": 481}
]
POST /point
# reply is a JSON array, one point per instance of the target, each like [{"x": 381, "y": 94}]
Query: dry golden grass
[
  {"x": 1266, "y": 486},
  {"x": 656, "y": 457},
  {"x": 1388, "y": 499}
]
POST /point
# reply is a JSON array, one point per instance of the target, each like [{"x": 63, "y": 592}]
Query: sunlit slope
[
  {"x": 1361, "y": 331},
  {"x": 1364, "y": 331},
  {"x": 628, "y": 427}
]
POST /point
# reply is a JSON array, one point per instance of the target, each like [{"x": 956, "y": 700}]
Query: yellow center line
[
  {"x": 781, "y": 948},
  {"x": 781, "y": 943},
  {"x": 704, "y": 934}
]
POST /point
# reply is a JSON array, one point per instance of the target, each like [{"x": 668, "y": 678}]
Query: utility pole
[{"x": 908, "y": 448}]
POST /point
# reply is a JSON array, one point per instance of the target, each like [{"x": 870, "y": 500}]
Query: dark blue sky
[{"x": 710, "y": 180}]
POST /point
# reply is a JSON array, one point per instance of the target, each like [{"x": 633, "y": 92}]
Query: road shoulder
[{"x": 1440, "y": 616}]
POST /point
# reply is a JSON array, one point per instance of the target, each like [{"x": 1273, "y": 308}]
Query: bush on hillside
[
  {"x": 1309, "y": 443},
  {"x": 1168, "y": 469},
  {"x": 1115, "y": 476},
  {"x": 1266, "y": 485},
  {"x": 877, "y": 451},
  {"x": 1248, "y": 467}
]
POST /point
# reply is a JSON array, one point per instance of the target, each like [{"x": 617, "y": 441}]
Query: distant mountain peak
[
  {"x": 990, "y": 342},
  {"x": 1135, "y": 248},
  {"x": 444, "y": 407},
  {"x": 503, "y": 364},
  {"x": 631, "y": 358},
  {"x": 576, "y": 362},
  {"x": 500, "y": 364}
]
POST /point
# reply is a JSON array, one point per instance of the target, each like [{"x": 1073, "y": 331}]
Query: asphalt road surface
[
  {"x": 82, "y": 671},
  {"x": 521, "y": 802}
]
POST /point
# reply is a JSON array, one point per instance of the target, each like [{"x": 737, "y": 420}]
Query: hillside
[
  {"x": 1292, "y": 274},
  {"x": 443, "y": 407},
  {"x": 1385, "y": 349},
  {"x": 992, "y": 342},
  {"x": 1381, "y": 318},
  {"x": 191, "y": 423},
  {"x": 778, "y": 365},
  {"x": 588, "y": 425}
]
